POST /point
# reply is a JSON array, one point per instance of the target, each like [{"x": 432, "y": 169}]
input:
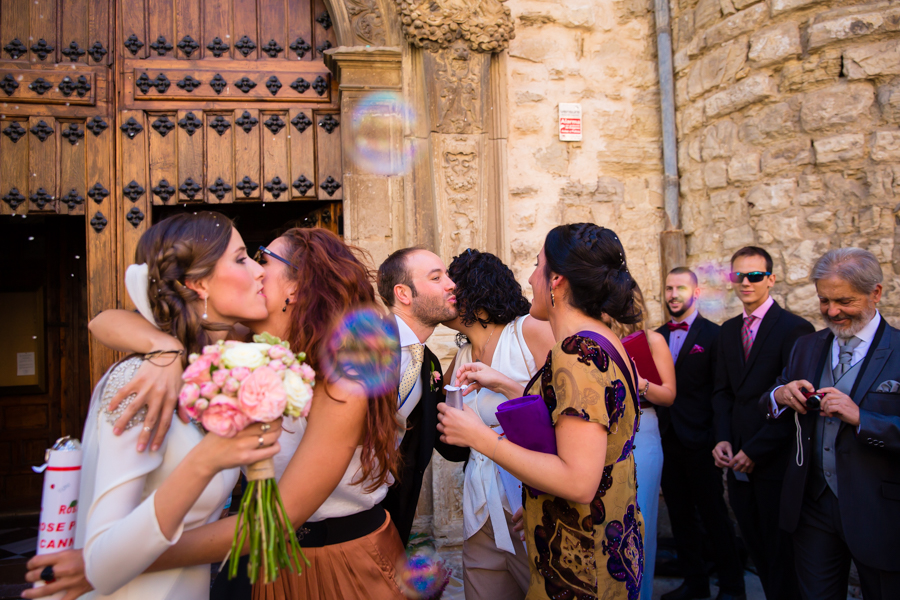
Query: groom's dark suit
[
  {"x": 420, "y": 439},
  {"x": 738, "y": 385},
  {"x": 863, "y": 521}
]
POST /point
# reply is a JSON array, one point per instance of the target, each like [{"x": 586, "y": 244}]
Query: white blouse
[
  {"x": 117, "y": 524},
  {"x": 483, "y": 492},
  {"x": 348, "y": 498}
]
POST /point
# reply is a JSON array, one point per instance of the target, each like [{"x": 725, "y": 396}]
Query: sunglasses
[
  {"x": 752, "y": 277},
  {"x": 261, "y": 254}
]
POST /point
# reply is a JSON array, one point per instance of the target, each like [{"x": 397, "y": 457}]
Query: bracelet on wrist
[
  {"x": 163, "y": 358},
  {"x": 646, "y": 389}
]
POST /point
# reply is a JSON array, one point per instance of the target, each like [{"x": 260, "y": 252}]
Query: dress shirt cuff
[{"x": 775, "y": 410}]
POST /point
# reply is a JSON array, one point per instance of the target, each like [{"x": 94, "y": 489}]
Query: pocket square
[
  {"x": 890, "y": 387},
  {"x": 697, "y": 349}
]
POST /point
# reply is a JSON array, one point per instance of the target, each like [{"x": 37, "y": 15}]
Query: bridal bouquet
[{"x": 228, "y": 387}]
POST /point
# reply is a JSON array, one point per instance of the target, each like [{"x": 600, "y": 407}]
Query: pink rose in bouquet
[
  {"x": 224, "y": 417},
  {"x": 240, "y": 373},
  {"x": 219, "y": 376},
  {"x": 208, "y": 390},
  {"x": 199, "y": 370},
  {"x": 262, "y": 396}
]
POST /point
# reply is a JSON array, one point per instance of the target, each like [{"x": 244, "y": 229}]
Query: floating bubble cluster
[
  {"x": 376, "y": 134},
  {"x": 422, "y": 575},
  {"x": 716, "y": 293},
  {"x": 364, "y": 347}
]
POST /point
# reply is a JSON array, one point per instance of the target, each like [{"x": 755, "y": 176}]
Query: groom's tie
[{"x": 413, "y": 371}]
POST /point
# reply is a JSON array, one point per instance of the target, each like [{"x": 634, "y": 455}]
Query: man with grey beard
[
  {"x": 415, "y": 286},
  {"x": 841, "y": 494}
]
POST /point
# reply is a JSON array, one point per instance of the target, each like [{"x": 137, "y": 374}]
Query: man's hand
[
  {"x": 156, "y": 387},
  {"x": 722, "y": 454},
  {"x": 518, "y": 520},
  {"x": 68, "y": 567},
  {"x": 742, "y": 463},
  {"x": 836, "y": 403},
  {"x": 791, "y": 395}
]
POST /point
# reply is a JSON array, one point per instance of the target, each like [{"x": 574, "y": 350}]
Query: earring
[
  {"x": 552, "y": 300},
  {"x": 205, "y": 308},
  {"x": 286, "y": 302}
]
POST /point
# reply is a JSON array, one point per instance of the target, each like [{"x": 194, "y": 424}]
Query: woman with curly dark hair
[{"x": 493, "y": 327}]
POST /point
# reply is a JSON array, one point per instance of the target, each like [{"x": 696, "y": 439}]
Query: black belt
[{"x": 341, "y": 529}]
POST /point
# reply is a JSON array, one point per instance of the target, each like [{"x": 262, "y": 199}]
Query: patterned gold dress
[{"x": 587, "y": 551}]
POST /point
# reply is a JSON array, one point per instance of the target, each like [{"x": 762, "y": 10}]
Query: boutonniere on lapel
[
  {"x": 697, "y": 349},
  {"x": 435, "y": 379}
]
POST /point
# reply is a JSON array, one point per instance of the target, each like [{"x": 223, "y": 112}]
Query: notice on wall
[
  {"x": 24, "y": 364},
  {"x": 569, "y": 122}
]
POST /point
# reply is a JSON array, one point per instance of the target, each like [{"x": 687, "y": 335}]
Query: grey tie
[{"x": 845, "y": 356}]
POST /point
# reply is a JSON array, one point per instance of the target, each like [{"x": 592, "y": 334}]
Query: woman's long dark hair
[
  {"x": 333, "y": 281},
  {"x": 592, "y": 259},
  {"x": 178, "y": 249},
  {"x": 484, "y": 283}
]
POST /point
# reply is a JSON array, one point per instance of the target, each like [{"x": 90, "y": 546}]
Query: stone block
[
  {"x": 692, "y": 180},
  {"x": 780, "y": 6},
  {"x": 715, "y": 174},
  {"x": 554, "y": 159},
  {"x": 706, "y": 13},
  {"x": 718, "y": 67},
  {"x": 727, "y": 207},
  {"x": 800, "y": 259},
  {"x": 692, "y": 117},
  {"x": 744, "y": 167},
  {"x": 821, "y": 222},
  {"x": 847, "y": 220},
  {"x": 609, "y": 189},
  {"x": 772, "y": 123},
  {"x": 871, "y": 60},
  {"x": 848, "y": 146},
  {"x": 869, "y": 220},
  {"x": 774, "y": 44},
  {"x": 783, "y": 230},
  {"x": 836, "y": 105},
  {"x": 738, "y": 237},
  {"x": 790, "y": 154},
  {"x": 523, "y": 191},
  {"x": 745, "y": 21},
  {"x": 848, "y": 26},
  {"x": 742, "y": 4},
  {"x": 803, "y": 299},
  {"x": 889, "y": 101},
  {"x": 719, "y": 140},
  {"x": 747, "y": 91},
  {"x": 886, "y": 146},
  {"x": 528, "y": 97},
  {"x": 824, "y": 66},
  {"x": 772, "y": 197}
]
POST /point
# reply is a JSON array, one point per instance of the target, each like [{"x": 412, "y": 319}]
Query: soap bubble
[
  {"x": 376, "y": 133},
  {"x": 422, "y": 575},
  {"x": 716, "y": 292},
  {"x": 364, "y": 346}
]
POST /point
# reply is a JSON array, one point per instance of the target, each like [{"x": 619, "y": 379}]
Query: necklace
[{"x": 493, "y": 331}]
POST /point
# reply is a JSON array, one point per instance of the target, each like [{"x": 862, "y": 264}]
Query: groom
[{"x": 416, "y": 288}]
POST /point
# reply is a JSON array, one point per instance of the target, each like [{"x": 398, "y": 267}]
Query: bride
[
  {"x": 333, "y": 469},
  {"x": 194, "y": 280}
]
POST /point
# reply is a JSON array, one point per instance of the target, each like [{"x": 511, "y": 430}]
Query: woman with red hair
[{"x": 335, "y": 466}]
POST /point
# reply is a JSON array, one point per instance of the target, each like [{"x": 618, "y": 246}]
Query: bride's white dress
[{"x": 117, "y": 525}]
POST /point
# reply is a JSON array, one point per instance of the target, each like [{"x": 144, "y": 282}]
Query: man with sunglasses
[{"x": 754, "y": 347}]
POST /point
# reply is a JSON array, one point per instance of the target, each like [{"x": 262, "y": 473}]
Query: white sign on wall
[{"x": 569, "y": 122}]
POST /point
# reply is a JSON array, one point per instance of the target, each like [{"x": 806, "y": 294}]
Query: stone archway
[{"x": 446, "y": 64}]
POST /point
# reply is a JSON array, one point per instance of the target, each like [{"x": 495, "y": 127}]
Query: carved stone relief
[
  {"x": 458, "y": 86},
  {"x": 459, "y": 176},
  {"x": 367, "y": 21},
  {"x": 484, "y": 25}
]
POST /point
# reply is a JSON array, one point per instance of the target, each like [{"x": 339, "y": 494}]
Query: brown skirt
[{"x": 360, "y": 569}]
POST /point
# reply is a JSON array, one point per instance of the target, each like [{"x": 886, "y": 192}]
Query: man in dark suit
[
  {"x": 691, "y": 483},
  {"x": 415, "y": 286},
  {"x": 841, "y": 494},
  {"x": 754, "y": 348}
]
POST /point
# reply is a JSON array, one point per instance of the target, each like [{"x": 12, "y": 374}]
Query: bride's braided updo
[
  {"x": 179, "y": 249},
  {"x": 592, "y": 259}
]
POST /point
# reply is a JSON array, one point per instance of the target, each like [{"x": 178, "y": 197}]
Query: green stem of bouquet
[{"x": 273, "y": 543}]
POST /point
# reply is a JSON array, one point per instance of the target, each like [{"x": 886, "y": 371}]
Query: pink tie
[{"x": 747, "y": 335}]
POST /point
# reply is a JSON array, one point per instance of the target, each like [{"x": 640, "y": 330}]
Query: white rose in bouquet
[
  {"x": 299, "y": 395},
  {"x": 250, "y": 355}
]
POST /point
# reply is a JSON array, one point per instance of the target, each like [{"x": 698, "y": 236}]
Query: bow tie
[{"x": 676, "y": 326}]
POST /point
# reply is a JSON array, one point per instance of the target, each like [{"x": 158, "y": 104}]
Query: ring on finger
[
  {"x": 47, "y": 574},
  {"x": 265, "y": 427},
  {"x": 261, "y": 441},
  {"x": 147, "y": 428}
]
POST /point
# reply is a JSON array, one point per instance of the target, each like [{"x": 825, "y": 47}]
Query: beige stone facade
[{"x": 788, "y": 135}]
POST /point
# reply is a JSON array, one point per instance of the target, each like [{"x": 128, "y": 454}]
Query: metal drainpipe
[{"x": 667, "y": 105}]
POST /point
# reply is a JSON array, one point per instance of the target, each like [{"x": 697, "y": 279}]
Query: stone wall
[
  {"x": 601, "y": 53},
  {"x": 788, "y": 114}
]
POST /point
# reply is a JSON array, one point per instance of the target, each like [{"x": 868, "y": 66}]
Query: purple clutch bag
[{"x": 526, "y": 422}]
